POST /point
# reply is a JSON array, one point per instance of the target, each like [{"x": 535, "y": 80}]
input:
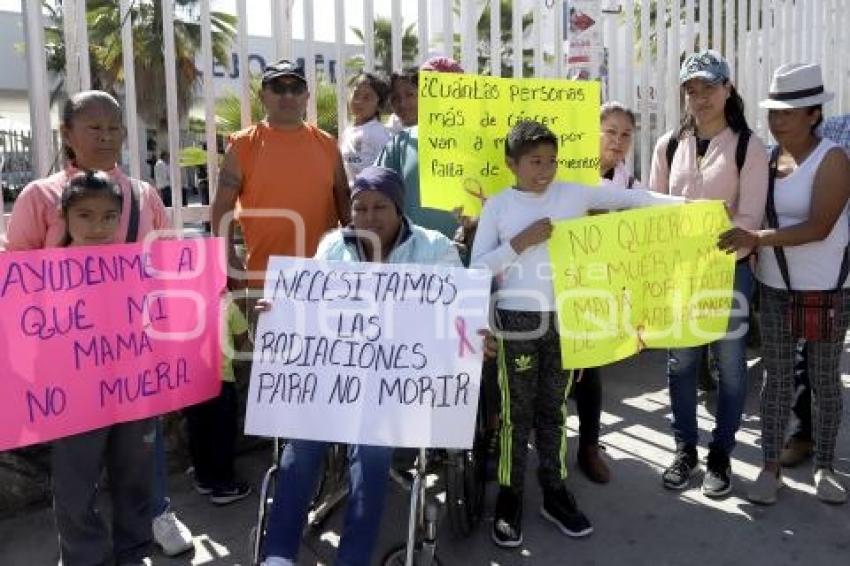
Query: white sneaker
[
  {"x": 171, "y": 534},
  {"x": 828, "y": 488},
  {"x": 763, "y": 490}
]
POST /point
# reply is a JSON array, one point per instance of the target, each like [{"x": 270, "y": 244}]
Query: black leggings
[{"x": 587, "y": 393}]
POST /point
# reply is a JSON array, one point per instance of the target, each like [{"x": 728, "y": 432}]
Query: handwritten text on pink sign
[{"x": 99, "y": 335}]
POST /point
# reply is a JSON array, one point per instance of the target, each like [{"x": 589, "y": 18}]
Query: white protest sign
[{"x": 363, "y": 353}]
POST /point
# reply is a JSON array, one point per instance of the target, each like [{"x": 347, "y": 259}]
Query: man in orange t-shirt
[{"x": 287, "y": 177}]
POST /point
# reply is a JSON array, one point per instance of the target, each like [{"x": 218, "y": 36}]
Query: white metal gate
[{"x": 755, "y": 35}]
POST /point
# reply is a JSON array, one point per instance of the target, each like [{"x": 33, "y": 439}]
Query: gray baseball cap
[{"x": 708, "y": 65}]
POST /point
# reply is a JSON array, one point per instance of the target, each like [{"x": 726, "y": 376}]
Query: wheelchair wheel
[
  {"x": 466, "y": 479},
  {"x": 256, "y": 536},
  {"x": 465, "y": 483},
  {"x": 397, "y": 555}
]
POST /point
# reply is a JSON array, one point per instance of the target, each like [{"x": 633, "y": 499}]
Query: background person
[
  {"x": 401, "y": 154},
  {"x": 362, "y": 142}
]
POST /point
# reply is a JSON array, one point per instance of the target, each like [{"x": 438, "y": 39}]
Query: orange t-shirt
[{"x": 287, "y": 198}]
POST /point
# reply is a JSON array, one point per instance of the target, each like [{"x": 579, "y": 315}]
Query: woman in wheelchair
[{"x": 380, "y": 233}]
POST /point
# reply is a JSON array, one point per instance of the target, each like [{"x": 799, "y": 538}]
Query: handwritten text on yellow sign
[
  {"x": 643, "y": 278},
  {"x": 464, "y": 120}
]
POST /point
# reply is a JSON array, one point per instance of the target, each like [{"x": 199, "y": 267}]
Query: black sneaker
[
  {"x": 717, "y": 481},
  {"x": 230, "y": 493},
  {"x": 559, "y": 507},
  {"x": 678, "y": 474},
  {"x": 203, "y": 488},
  {"x": 507, "y": 522}
]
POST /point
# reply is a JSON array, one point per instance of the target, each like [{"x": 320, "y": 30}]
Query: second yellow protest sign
[
  {"x": 463, "y": 122},
  {"x": 649, "y": 278}
]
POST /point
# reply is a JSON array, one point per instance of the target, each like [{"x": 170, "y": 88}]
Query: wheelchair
[
  {"x": 461, "y": 473},
  {"x": 331, "y": 490},
  {"x": 464, "y": 478}
]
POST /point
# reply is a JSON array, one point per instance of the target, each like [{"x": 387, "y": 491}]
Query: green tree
[
  {"x": 382, "y": 42},
  {"x": 105, "y": 51}
]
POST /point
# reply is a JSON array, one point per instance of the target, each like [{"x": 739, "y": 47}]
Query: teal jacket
[
  {"x": 414, "y": 245},
  {"x": 401, "y": 154}
]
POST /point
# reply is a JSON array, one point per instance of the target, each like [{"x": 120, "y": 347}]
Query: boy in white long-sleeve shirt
[{"x": 512, "y": 232}]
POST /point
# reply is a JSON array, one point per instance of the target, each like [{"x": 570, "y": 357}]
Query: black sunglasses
[{"x": 294, "y": 88}]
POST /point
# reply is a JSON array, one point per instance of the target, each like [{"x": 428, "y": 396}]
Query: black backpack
[{"x": 740, "y": 150}]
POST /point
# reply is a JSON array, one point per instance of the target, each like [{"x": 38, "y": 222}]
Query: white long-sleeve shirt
[{"x": 525, "y": 280}]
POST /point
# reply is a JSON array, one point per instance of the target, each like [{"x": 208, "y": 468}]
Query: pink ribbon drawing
[{"x": 464, "y": 343}]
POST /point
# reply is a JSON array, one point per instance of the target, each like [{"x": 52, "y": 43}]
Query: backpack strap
[
  {"x": 741, "y": 148},
  {"x": 133, "y": 222},
  {"x": 672, "y": 145}
]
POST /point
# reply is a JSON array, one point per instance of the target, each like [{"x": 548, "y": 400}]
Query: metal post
[
  {"x": 242, "y": 50},
  {"x": 209, "y": 99},
  {"x": 339, "y": 37},
  {"x": 395, "y": 35},
  {"x": 422, "y": 30},
  {"x": 173, "y": 118},
  {"x": 39, "y": 90},
  {"x": 310, "y": 62},
  {"x": 448, "y": 29},
  {"x": 130, "y": 113},
  {"x": 369, "y": 35},
  {"x": 468, "y": 38},
  {"x": 495, "y": 38},
  {"x": 516, "y": 39}
]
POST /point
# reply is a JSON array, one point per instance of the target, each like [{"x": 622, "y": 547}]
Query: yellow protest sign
[
  {"x": 463, "y": 122},
  {"x": 649, "y": 278}
]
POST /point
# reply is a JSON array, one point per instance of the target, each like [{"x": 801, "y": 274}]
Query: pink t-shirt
[
  {"x": 36, "y": 220},
  {"x": 715, "y": 176}
]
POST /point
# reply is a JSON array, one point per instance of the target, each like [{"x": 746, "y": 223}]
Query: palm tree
[
  {"x": 382, "y": 42},
  {"x": 104, "y": 26}
]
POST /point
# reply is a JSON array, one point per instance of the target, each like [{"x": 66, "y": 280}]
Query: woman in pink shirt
[
  {"x": 616, "y": 131},
  {"x": 92, "y": 135},
  {"x": 712, "y": 155}
]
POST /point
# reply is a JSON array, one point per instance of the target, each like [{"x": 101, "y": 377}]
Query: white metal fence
[{"x": 755, "y": 35}]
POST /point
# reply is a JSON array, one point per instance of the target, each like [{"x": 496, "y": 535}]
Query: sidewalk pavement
[{"x": 636, "y": 521}]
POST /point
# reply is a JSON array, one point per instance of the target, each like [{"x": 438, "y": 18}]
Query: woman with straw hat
[{"x": 802, "y": 268}]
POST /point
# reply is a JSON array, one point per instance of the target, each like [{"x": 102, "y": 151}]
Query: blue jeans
[
  {"x": 160, "y": 502},
  {"x": 730, "y": 352},
  {"x": 300, "y": 465}
]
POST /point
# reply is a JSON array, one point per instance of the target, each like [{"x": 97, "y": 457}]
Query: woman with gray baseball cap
[{"x": 712, "y": 155}]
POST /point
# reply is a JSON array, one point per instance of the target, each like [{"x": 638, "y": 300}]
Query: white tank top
[{"x": 813, "y": 266}]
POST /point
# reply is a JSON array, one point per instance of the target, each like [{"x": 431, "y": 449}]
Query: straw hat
[{"x": 796, "y": 85}]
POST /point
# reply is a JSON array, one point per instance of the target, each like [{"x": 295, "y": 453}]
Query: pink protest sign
[{"x": 94, "y": 336}]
